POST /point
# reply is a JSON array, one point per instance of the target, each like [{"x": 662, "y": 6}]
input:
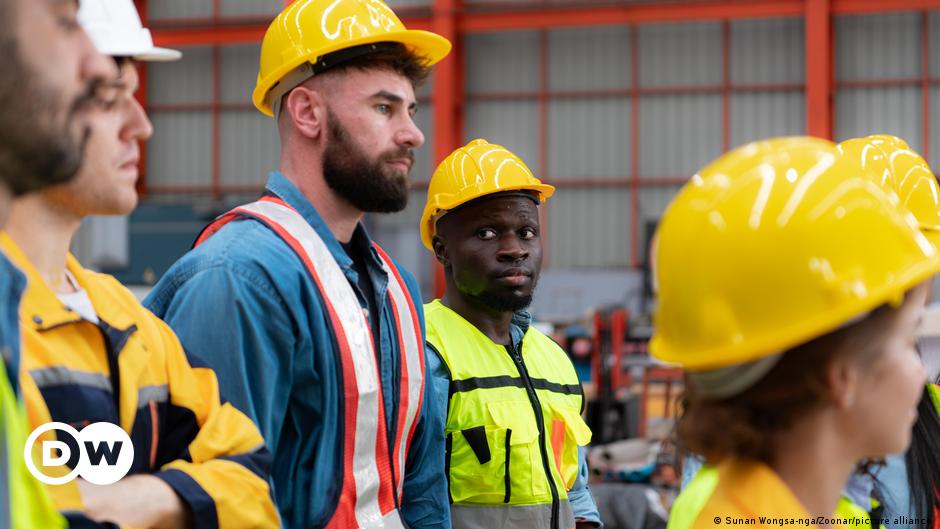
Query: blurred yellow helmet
[
  {"x": 899, "y": 169},
  {"x": 310, "y": 36},
  {"x": 774, "y": 244},
  {"x": 477, "y": 169}
]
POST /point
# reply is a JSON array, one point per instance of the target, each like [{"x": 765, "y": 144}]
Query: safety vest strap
[{"x": 370, "y": 473}]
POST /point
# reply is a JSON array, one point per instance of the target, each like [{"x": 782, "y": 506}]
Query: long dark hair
[{"x": 923, "y": 461}]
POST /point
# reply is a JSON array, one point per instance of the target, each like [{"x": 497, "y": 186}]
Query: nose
[
  {"x": 138, "y": 125},
  {"x": 511, "y": 249},
  {"x": 409, "y": 135}
]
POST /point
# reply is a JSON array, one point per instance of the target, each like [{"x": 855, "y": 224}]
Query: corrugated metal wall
[
  {"x": 587, "y": 127},
  {"x": 869, "y": 50},
  {"x": 180, "y": 151},
  {"x": 617, "y": 128}
]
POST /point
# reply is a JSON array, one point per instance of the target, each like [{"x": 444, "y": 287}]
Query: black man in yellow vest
[{"x": 514, "y": 427}]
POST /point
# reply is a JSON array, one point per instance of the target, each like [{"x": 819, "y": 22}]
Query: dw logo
[{"x": 105, "y": 453}]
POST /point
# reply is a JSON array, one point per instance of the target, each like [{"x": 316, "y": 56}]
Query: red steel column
[
  {"x": 818, "y": 68},
  {"x": 444, "y": 99},
  {"x": 142, "y": 8}
]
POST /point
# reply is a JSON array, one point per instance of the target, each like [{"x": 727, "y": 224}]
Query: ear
[
  {"x": 306, "y": 109},
  {"x": 844, "y": 382},
  {"x": 440, "y": 250}
]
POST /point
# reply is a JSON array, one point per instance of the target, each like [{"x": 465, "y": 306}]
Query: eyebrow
[{"x": 394, "y": 98}]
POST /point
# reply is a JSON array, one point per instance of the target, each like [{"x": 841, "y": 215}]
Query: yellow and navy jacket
[
  {"x": 513, "y": 426},
  {"x": 130, "y": 370}
]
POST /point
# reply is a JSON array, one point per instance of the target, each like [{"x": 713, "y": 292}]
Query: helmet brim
[{"x": 431, "y": 46}]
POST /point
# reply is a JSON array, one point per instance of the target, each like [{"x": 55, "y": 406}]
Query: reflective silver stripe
[
  {"x": 413, "y": 362},
  {"x": 464, "y": 516},
  {"x": 365, "y": 472},
  {"x": 391, "y": 520},
  {"x": 159, "y": 393},
  {"x": 63, "y": 376}
]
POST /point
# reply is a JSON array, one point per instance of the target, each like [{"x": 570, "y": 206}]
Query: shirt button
[
  {"x": 365, "y": 313},
  {"x": 37, "y": 320}
]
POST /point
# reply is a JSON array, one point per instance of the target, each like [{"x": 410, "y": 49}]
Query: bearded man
[{"x": 313, "y": 330}]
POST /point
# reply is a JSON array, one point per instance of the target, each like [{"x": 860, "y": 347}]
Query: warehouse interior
[{"x": 614, "y": 102}]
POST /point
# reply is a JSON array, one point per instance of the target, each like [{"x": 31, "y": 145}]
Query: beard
[
  {"x": 369, "y": 185},
  {"x": 505, "y": 301},
  {"x": 41, "y": 141}
]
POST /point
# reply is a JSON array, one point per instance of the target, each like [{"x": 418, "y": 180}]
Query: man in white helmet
[
  {"x": 45, "y": 87},
  {"x": 92, "y": 353}
]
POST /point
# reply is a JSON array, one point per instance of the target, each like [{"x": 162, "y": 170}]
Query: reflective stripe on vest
[
  {"x": 509, "y": 516},
  {"x": 370, "y": 474},
  {"x": 501, "y": 461}
]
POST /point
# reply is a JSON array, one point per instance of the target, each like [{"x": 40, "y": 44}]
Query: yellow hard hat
[
  {"x": 774, "y": 244},
  {"x": 477, "y": 169},
  {"x": 899, "y": 169},
  {"x": 308, "y": 31}
]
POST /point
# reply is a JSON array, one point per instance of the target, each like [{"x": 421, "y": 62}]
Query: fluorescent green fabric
[
  {"x": 495, "y": 455},
  {"x": 33, "y": 508}
]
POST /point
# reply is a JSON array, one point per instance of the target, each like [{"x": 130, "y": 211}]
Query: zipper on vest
[{"x": 540, "y": 423}]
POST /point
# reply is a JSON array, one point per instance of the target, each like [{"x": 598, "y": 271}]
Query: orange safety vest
[{"x": 370, "y": 472}]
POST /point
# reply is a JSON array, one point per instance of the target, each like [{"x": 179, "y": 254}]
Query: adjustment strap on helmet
[{"x": 307, "y": 70}]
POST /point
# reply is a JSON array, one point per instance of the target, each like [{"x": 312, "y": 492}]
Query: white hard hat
[{"x": 114, "y": 27}]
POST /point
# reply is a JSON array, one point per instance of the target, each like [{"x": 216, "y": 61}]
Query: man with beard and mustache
[
  {"x": 514, "y": 427},
  {"x": 45, "y": 85},
  {"x": 93, "y": 353},
  {"x": 313, "y": 330}
]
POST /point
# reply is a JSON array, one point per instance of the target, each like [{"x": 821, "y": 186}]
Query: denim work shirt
[
  {"x": 12, "y": 286},
  {"x": 245, "y": 303},
  {"x": 580, "y": 498}
]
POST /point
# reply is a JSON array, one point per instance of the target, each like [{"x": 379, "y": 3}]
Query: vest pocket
[
  {"x": 492, "y": 463},
  {"x": 575, "y": 433}
]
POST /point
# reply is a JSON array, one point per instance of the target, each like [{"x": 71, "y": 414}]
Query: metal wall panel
[
  {"x": 933, "y": 21},
  {"x": 589, "y": 58},
  {"x": 424, "y": 165},
  {"x": 180, "y": 151},
  {"x": 761, "y": 115},
  {"x": 933, "y": 155},
  {"x": 502, "y": 62},
  {"x": 687, "y": 53},
  {"x": 589, "y": 138},
  {"x": 767, "y": 51},
  {"x": 188, "y": 80},
  {"x": 588, "y": 228},
  {"x": 249, "y": 148},
  {"x": 513, "y": 124},
  {"x": 163, "y": 9},
  {"x": 653, "y": 202},
  {"x": 889, "y": 110},
  {"x": 427, "y": 88},
  {"x": 679, "y": 134},
  {"x": 884, "y": 45},
  {"x": 238, "y": 72},
  {"x": 251, "y": 7}
]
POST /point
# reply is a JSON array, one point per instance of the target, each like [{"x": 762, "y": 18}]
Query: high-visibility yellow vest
[
  {"x": 687, "y": 507},
  {"x": 25, "y": 504},
  {"x": 513, "y": 426}
]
